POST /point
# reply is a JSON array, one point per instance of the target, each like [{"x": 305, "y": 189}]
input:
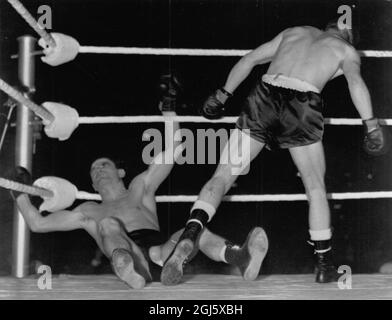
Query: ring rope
[
  {"x": 198, "y": 119},
  {"x": 20, "y": 187},
  {"x": 16, "y": 95},
  {"x": 25, "y": 14},
  {"x": 48, "y": 117},
  {"x": 200, "y": 52},
  {"x": 82, "y": 195}
]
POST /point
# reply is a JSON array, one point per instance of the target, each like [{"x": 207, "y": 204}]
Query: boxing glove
[
  {"x": 376, "y": 140},
  {"x": 170, "y": 89},
  {"x": 214, "y": 106}
]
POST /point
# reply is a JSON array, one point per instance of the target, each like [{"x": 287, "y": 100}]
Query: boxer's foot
[
  {"x": 127, "y": 270},
  {"x": 250, "y": 256}
]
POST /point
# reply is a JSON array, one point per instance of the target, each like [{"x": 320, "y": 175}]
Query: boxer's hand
[
  {"x": 214, "y": 106},
  {"x": 376, "y": 140},
  {"x": 21, "y": 175},
  {"x": 170, "y": 89}
]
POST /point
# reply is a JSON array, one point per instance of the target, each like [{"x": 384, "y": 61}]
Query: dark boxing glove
[
  {"x": 213, "y": 108},
  {"x": 170, "y": 89},
  {"x": 376, "y": 140},
  {"x": 21, "y": 175}
]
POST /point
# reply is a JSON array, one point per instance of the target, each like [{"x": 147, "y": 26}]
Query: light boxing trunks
[{"x": 283, "y": 112}]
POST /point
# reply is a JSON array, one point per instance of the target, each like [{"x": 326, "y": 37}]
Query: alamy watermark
[
  {"x": 345, "y": 280},
  {"x": 345, "y": 20},
  {"x": 45, "y": 279},
  {"x": 45, "y": 16},
  {"x": 199, "y": 148}
]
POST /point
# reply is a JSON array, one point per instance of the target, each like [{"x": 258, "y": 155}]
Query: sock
[
  {"x": 321, "y": 240},
  {"x": 316, "y": 235},
  {"x": 205, "y": 207}
]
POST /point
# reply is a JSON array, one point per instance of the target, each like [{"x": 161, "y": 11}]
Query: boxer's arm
[
  {"x": 359, "y": 92},
  {"x": 64, "y": 220},
  {"x": 163, "y": 163},
  {"x": 260, "y": 55}
]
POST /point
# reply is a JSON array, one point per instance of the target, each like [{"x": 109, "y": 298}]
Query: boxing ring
[{"x": 201, "y": 286}]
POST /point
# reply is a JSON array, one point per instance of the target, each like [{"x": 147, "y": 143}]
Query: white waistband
[{"x": 280, "y": 80}]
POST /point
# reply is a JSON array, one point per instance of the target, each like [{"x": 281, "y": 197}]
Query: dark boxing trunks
[
  {"x": 282, "y": 118},
  {"x": 147, "y": 238}
]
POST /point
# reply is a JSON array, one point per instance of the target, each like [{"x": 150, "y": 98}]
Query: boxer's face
[{"x": 103, "y": 171}]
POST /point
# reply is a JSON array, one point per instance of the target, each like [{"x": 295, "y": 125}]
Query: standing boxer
[{"x": 284, "y": 110}]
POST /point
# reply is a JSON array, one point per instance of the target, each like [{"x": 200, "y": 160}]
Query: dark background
[{"x": 98, "y": 84}]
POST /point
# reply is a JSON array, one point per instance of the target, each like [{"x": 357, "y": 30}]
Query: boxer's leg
[
  {"x": 240, "y": 147},
  {"x": 128, "y": 261},
  {"x": 248, "y": 257},
  {"x": 310, "y": 162}
]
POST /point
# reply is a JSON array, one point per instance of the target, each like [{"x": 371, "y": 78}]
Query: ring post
[{"x": 23, "y": 155}]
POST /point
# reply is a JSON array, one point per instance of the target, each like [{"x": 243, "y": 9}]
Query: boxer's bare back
[{"x": 309, "y": 54}]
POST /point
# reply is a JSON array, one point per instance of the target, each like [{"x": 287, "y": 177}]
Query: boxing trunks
[
  {"x": 283, "y": 112},
  {"x": 145, "y": 239}
]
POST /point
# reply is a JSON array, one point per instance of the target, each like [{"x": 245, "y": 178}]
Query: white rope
[
  {"x": 197, "y": 119},
  {"x": 150, "y": 119},
  {"x": 376, "y": 54},
  {"x": 164, "y": 51},
  {"x": 82, "y": 195},
  {"x": 40, "y": 111},
  {"x": 25, "y": 14},
  {"x": 198, "y": 52}
]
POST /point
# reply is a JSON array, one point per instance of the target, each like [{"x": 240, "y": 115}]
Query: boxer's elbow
[
  {"x": 249, "y": 61},
  {"x": 37, "y": 225},
  {"x": 31, "y": 216}
]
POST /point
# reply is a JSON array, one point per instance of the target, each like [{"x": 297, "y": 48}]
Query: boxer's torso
[
  {"x": 136, "y": 209},
  {"x": 309, "y": 54}
]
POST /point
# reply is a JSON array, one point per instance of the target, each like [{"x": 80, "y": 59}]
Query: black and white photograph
[{"x": 203, "y": 151}]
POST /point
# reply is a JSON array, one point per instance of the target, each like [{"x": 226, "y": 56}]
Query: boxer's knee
[
  {"x": 316, "y": 190},
  {"x": 317, "y": 193}
]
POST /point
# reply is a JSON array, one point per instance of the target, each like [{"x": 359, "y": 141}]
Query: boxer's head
[
  {"x": 104, "y": 172},
  {"x": 343, "y": 32}
]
